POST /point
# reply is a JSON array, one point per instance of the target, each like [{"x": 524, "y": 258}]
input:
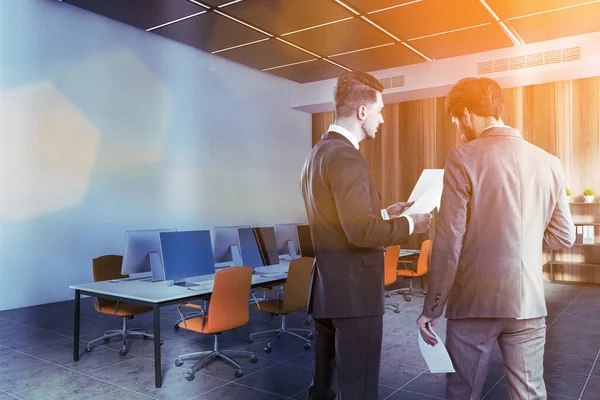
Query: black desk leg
[
  {"x": 76, "y": 326},
  {"x": 157, "y": 369}
]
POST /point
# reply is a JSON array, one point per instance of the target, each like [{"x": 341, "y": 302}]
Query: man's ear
[
  {"x": 361, "y": 113},
  {"x": 466, "y": 115}
]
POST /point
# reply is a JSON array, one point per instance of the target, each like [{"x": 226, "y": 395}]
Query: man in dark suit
[{"x": 348, "y": 231}]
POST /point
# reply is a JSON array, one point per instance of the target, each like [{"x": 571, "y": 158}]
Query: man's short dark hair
[
  {"x": 481, "y": 96},
  {"x": 355, "y": 89}
]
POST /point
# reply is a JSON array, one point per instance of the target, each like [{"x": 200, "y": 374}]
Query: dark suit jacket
[{"x": 348, "y": 232}]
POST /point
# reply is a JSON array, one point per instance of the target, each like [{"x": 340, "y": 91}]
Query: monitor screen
[
  {"x": 225, "y": 237},
  {"x": 249, "y": 249},
  {"x": 305, "y": 240},
  {"x": 286, "y": 236},
  {"x": 186, "y": 254},
  {"x": 138, "y": 246},
  {"x": 267, "y": 245}
]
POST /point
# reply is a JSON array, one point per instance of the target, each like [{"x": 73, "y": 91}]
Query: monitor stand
[
  {"x": 235, "y": 255},
  {"x": 158, "y": 272},
  {"x": 293, "y": 252},
  {"x": 144, "y": 276}
]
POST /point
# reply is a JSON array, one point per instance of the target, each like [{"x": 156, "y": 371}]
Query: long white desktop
[{"x": 158, "y": 294}]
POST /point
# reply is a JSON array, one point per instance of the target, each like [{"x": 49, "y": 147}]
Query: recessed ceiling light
[
  {"x": 298, "y": 47},
  {"x": 380, "y": 28},
  {"x": 359, "y": 50},
  {"x": 347, "y": 7},
  {"x": 240, "y": 45},
  {"x": 199, "y": 4},
  {"x": 317, "y": 26},
  {"x": 289, "y": 65},
  {"x": 175, "y": 21},
  {"x": 450, "y": 31},
  {"x": 555, "y": 9},
  {"x": 337, "y": 65},
  {"x": 416, "y": 51},
  {"x": 516, "y": 41},
  {"x": 230, "y": 3},
  {"x": 242, "y": 22},
  {"x": 392, "y": 7}
]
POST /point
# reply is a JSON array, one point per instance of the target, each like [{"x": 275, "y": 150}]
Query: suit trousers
[
  {"x": 347, "y": 356},
  {"x": 471, "y": 342}
]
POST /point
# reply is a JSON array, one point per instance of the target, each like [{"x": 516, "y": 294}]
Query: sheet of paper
[
  {"x": 437, "y": 357},
  {"x": 427, "y": 193}
]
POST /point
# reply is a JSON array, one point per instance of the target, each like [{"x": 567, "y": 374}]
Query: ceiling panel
[
  {"x": 210, "y": 32},
  {"x": 432, "y": 16},
  {"x": 282, "y": 16},
  {"x": 380, "y": 58},
  {"x": 557, "y": 24},
  {"x": 143, "y": 14},
  {"x": 517, "y": 8},
  {"x": 308, "y": 72},
  {"x": 337, "y": 38},
  {"x": 216, "y": 3},
  {"x": 459, "y": 43},
  {"x": 271, "y": 53},
  {"x": 373, "y": 5}
]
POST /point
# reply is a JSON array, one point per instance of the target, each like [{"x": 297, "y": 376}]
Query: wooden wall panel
[
  {"x": 320, "y": 124},
  {"x": 563, "y": 118}
]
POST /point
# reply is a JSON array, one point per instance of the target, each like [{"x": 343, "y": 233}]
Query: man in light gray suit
[{"x": 503, "y": 203}]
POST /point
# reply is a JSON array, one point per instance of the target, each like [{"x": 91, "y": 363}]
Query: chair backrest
[
  {"x": 390, "y": 263},
  {"x": 105, "y": 268},
  {"x": 423, "y": 262},
  {"x": 228, "y": 307},
  {"x": 295, "y": 296}
]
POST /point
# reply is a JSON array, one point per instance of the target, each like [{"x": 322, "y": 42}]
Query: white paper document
[
  {"x": 427, "y": 193},
  {"x": 437, "y": 357}
]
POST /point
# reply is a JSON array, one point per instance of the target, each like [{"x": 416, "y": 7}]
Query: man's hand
[
  {"x": 395, "y": 210},
  {"x": 421, "y": 222},
  {"x": 423, "y": 323}
]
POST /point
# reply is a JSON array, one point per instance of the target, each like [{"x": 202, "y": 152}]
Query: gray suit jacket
[{"x": 503, "y": 203}]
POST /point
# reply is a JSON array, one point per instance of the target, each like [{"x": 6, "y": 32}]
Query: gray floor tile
[
  {"x": 406, "y": 395},
  {"x": 16, "y": 380},
  {"x": 569, "y": 363},
  {"x": 14, "y": 359},
  {"x": 175, "y": 386},
  {"x": 563, "y": 383},
  {"x": 130, "y": 373},
  {"x": 397, "y": 375},
  {"x": 281, "y": 379},
  {"x": 123, "y": 394},
  {"x": 428, "y": 384},
  {"x": 79, "y": 387},
  {"x": 237, "y": 392},
  {"x": 405, "y": 352},
  {"x": 592, "y": 389}
]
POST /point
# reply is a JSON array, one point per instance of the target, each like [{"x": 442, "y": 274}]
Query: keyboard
[{"x": 275, "y": 275}]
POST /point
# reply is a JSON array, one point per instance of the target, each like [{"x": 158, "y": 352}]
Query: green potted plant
[
  {"x": 589, "y": 194},
  {"x": 568, "y": 193}
]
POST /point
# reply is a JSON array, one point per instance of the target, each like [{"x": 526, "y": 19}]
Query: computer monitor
[
  {"x": 186, "y": 254},
  {"x": 227, "y": 244},
  {"x": 305, "y": 241},
  {"x": 267, "y": 244},
  {"x": 249, "y": 249},
  {"x": 286, "y": 236},
  {"x": 141, "y": 254}
]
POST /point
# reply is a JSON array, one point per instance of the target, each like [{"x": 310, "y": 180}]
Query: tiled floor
[{"x": 36, "y": 360}]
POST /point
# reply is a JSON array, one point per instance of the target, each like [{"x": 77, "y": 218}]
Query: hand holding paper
[{"x": 427, "y": 193}]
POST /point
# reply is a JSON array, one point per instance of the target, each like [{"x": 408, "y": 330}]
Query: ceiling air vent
[
  {"x": 392, "y": 82},
  {"x": 529, "y": 60}
]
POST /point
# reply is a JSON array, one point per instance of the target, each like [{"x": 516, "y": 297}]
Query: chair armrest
[{"x": 191, "y": 305}]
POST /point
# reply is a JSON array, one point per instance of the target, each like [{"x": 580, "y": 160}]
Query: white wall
[
  {"x": 104, "y": 128},
  {"x": 434, "y": 79}
]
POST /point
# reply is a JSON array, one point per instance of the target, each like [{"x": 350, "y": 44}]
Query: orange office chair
[
  {"x": 105, "y": 268},
  {"x": 228, "y": 309},
  {"x": 295, "y": 298},
  {"x": 421, "y": 269},
  {"x": 390, "y": 263}
]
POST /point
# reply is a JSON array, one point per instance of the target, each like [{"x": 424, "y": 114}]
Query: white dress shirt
[{"x": 350, "y": 136}]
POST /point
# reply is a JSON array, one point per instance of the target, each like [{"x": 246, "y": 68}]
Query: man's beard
[{"x": 367, "y": 135}]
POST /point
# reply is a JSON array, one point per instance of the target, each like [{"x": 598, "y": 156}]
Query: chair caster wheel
[
  {"x": 268, "y": 349},
  {"x": 253, "y": 359},
  {"x": 123, "y": 352},
  {"x": 175, "y": 325},
  {"x": 397, "y": 310},
  {"x": 178, "y": 362},
  {"x": 307, "y": 346},
  {"x": 388, "y": 295},
  {"x": 88, "y": 348},
  {"x": 249, "y": 339},
  {"x": 161, "y": 342},
  {"x": 238, "y": 373},
  {"x": 407, "y": 298},
  {"x": 311, "y": 336},
  {"x": 106, "y": 339},
  {"x": 307, "y": 322},
  {"x": 145, "y": 337},
  {"x": 189, "y": 376}
]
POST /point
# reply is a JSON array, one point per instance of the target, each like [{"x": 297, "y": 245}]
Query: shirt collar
[{"x": 345, "y": 133}]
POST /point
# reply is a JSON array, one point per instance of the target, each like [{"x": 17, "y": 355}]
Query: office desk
[
  {"x": 154, "y": 295},
  {"x": 409, "y": 253}
]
